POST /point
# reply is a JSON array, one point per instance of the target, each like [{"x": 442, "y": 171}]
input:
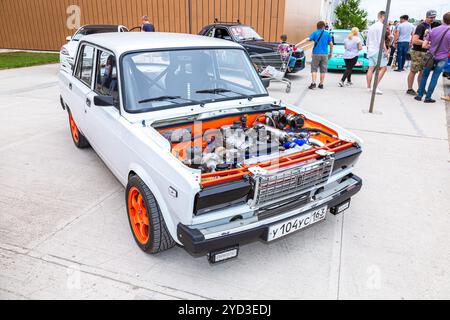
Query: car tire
[
  {"x": 78, "y": 138},
  {"x": 146, "y": 220}
]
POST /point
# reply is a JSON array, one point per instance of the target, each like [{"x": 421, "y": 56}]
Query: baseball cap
[{"x": 431, "y": 14}]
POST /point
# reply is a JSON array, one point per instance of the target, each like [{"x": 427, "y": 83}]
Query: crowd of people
[{"x": 427, "y": 45}]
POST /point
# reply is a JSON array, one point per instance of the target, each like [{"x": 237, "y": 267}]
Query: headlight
[{"x": 64, "y": 51}]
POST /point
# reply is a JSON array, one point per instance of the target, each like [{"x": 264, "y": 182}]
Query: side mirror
[
  {"x": 104, "y": 101},
  {"x": 68, "y": 38},
  {"x": 266, "y": 82}
]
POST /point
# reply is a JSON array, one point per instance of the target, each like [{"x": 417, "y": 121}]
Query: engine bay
[{"x": 225, "y": 149}]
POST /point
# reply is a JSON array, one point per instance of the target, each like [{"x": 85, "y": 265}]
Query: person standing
[
  {"x": 146, "y": 25},
  {"x": 322, "y": 39},
  {"x": 374, "y": 41},
  {"x": 418, "y": 52},
  {"x": 393, "y": 30},
  {"x": 353, "y": 45},
  {"x": 403, "y": 37},
  {"x": 438, "y": 44}
]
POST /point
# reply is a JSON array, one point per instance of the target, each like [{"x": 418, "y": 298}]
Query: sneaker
[
  {"x": 398, "y": 70},
  {"x": 411, "y": 92},
  {"x": 369, "y": 89},
  {"x": 429, "y": 100},
  {"x": 418, "y": 98},
  {"x": 341, "y": 84},
  {"x": 446, "y": 98},
  {"x": 321, "y": 86},
  {"x": 312, "y": 86},
  {"x": 349, "y": 84},
  {"x": 379, "y": 92}
]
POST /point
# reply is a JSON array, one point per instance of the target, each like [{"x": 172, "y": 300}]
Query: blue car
[{"x": 337, "y": 60}]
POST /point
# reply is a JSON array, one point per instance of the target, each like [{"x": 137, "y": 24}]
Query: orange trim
[{"x": 138, "y": 216}]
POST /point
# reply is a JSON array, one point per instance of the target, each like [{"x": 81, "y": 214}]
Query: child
[{"x": 285, "y": 50}]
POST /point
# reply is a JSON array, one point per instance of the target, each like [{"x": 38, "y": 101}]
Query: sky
[{"x": 414, "y": 8}]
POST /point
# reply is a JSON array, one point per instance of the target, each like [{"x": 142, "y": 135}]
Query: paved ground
[{"x": 64, "y": 232}]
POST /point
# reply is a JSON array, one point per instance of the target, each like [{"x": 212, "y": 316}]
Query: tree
[{"x": 349, "y": 15}]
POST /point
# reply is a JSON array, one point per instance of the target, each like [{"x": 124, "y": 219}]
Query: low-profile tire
[
  {"x": 78, "y": 138},
  {"x": 146, "y": 220}
]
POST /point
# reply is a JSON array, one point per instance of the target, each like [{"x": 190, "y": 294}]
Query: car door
[
  {"x": 80, "y": 86},
  {"x": 107, "y": 135}
]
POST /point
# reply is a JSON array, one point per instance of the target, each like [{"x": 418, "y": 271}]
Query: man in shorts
[
  {"x": 322, "y": 39},
  {"x": 374, "y": 39},
  {"x": 417, "y": 52}
]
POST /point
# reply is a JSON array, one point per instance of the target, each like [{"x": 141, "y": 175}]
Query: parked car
[
  {"x": 259, "y": 50},
  {"x": 337, "y": 60},
  {"x": 68, "y": 50},
  {"x": 209, "y": 160}
]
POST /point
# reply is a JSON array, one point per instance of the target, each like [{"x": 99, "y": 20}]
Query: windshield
[
  {"x": 339, "y": 37},
  {"x": 243, "y": 33},
  {"x": 170, "y": 79}
]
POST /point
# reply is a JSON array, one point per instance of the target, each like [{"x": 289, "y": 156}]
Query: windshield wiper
[
  {"x": 170, "y": 99},
  {"x": 219, "y": 92}
]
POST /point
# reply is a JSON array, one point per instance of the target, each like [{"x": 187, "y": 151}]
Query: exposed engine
[{"x": 246, "y": 141}]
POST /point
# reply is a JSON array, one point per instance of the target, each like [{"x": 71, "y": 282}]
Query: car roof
[
  {"x": 101, "y": 26},
  {"x": 123, "y": 42},
  {"x": 341, "y": 31}
]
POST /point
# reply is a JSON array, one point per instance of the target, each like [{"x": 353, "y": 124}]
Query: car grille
[{"x": 270, "y": 187}]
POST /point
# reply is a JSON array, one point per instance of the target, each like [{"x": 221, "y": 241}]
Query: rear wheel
[
  {"x": 78, "y": 138},
  {"x": 146, "y": 221}
]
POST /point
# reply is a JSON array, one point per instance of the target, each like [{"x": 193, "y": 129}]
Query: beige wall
[
  {"x": 301, "y": 18},
  {"x": 47, "y": 29}
]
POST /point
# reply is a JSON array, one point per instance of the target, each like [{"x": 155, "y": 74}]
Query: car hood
[{"x": 340, "y": 49}]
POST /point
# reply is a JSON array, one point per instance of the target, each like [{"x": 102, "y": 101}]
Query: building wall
[
  {"x": 301, "y": 18},
  {"x": 42, "y": 24}
]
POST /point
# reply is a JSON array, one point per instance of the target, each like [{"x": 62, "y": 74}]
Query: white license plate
[
  {"x": 295, "y": 224},
  {"x": 359, "y": 64}
]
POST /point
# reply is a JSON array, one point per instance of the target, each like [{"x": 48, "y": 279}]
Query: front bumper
[
  {"x": 195, "y": 242},
  {"x": 339, "y": 64},
  {"x": 299, "y": 65}
]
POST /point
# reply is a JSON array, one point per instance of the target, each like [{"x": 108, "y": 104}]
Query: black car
[{"x": 257, "y": 48}]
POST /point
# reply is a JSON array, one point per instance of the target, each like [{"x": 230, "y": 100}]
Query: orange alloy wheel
[
  {"x": 73, "y": 128},
  {"x": 138, "y": 216}
]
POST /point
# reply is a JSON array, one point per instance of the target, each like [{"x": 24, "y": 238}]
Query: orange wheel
[
  {"x": 146, "y": 220},
  {"x": 138, "y": 216},
  {"x": 78, "y": 138},
  {"x": 73, "y": 129}
]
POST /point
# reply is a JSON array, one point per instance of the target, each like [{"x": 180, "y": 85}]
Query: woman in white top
[{"x": 353, "y": 46}]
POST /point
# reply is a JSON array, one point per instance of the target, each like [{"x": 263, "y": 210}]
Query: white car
[
  {"x": 210, "y": 161},
  {"x": 68, "y": 51}
]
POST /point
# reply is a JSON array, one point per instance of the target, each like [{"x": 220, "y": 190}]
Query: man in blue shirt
[
  {"x": 322, "y": 39},
  {"x": 146, "y": 25}
]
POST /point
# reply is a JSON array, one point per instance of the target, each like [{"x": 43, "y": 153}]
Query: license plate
[
  {"x": 295, "y": 224},
  {"x": 359, "y": 64}
]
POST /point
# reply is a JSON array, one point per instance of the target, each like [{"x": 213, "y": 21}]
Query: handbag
[{"x": 428, "y": 59}]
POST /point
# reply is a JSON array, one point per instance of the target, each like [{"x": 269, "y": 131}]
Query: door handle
[
  {"x": 88, "y": 102},
  {"x": 70, "y": 86}
]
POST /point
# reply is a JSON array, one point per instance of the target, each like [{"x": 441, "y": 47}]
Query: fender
[{"x": 170, "y": 223}]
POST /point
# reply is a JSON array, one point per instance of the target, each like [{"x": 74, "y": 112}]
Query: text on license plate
[
  {"x": 359, "y": 64},
  {"x": 295, "y": 224}
]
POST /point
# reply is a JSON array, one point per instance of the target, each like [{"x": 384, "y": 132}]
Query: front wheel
[{"x": 146, "y": 221}]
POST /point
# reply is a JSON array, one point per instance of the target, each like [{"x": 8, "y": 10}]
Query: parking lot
[{"x": 64, "y": 232}]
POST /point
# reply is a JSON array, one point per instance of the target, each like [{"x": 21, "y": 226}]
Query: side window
[
  {"x": 210, "y": 33},
  {"x": 222, "y": 33},
  {"x": 106, "y": 82},
  {"x": 85, "y": 65}
]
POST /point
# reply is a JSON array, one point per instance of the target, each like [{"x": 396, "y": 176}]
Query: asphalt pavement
[{"x": 64, "y": 232}]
